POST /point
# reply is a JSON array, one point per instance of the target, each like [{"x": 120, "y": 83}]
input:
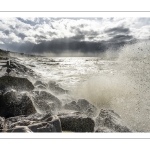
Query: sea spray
[{"x": 125, "y": 87}]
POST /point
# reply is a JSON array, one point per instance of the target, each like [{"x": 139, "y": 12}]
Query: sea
[{"x": 119, "y": 81}]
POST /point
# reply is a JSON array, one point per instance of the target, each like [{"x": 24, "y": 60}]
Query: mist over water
[{"x": 117, "y": 80}]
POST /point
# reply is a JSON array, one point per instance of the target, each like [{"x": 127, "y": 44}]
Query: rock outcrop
[
  {"x": 72, "y": 106},
  {"x": 20, "y": 129},
  {"x": 40, "y": 85},
  {"x": 83, "y": 106},
  {"x": 14, "y": 104},
  {"x": 46, "y": 102},
  {"x": 76, "y": 122},
  {"x": 109, "y": 121},
  {"x": 56, "y": 89},
  {"x": 35, "y": 122},
  {"x": 8, "y": 82}
]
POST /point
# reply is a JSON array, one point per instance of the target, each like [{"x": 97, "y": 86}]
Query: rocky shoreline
[{"x": 27, "y": 104}]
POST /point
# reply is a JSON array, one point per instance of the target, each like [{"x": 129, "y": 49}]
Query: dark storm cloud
[
  {"x": 72, "y": 44},
  {"x": 117, "y": 30},
  {"x": 18, "y": 47},
  {"x": 60, "y": 45},
  {"x": 121, "y": 38}
]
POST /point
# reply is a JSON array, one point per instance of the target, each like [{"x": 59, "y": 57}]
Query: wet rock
[
  {"x": 49, "y": 100},
  {"x": 14, "y": 104},
  {"x": 111, "y": 121},
  {"x": 44, "y": 106},
  {"x": 35, "y": 122},
  {"x": 76, "y": 122},
  {"x": 72, "y": 106},
  {"x": 56, "y": 89},
  {"x": 83, "y": 106},
  {"x": 11, "y": 125},
  {"x": 42, "y": 127},
  {"x": 23, "y": 84},
  {"x": 104, "y": 130},
  {"x": 20, "y": 129},
  {"x": 13, "y": 65},
  {"x": 41, "y": 87},
  {"x": 87, "y": 108},
  {"x": 2, "y": 120},
  {"x": 37, "y": 83}
]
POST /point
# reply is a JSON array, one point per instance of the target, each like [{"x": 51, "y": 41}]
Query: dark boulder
[
  {"x": 14, "y": 104},
  {"x": 83, "y": 106},
  {"x": 76, "y": 122},
  {"x": 72, "y": 106},
  {"x": 41, "y": 87},
  {"x": 11, "y": 125},
  {"x": 44, "y": 106},
  {"x": 39, "y": 83},
  {"x": 23, "y": 84},
  {"x": 42, "y": 127},
  {"x": 56, "y": 89},
  {"x": 108, "y": 120},
  {"x": 51, "y": 103},
  {"x": 87, "y": 108}
]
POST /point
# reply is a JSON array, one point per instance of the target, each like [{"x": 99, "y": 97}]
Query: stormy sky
[{"x": 73, "y": 35}]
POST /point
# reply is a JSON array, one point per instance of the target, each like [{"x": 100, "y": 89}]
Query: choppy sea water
[{"x": 121, "y": 84}]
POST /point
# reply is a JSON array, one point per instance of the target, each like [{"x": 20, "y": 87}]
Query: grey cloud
[
  {"x": 81, "y": 34},
  {"x": 22, "y": 35},
  {"x": 117, "y": 30},
  {"x": 60, "y": 45},
  {"x": 39, "y": 38},
  {"x": 52, "y": 33},
  {"x": 32, "y": 23},
  {"x": 118, "y": 35},
  {"x": 79, "y": 30},
  {"x": 121, "y": 38},
  {"x": 35, "y": 22},
  {"x": 11, "y": 27},
  {"x": 78, "y": 37},
  {"x": 6, "y": 32}
]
